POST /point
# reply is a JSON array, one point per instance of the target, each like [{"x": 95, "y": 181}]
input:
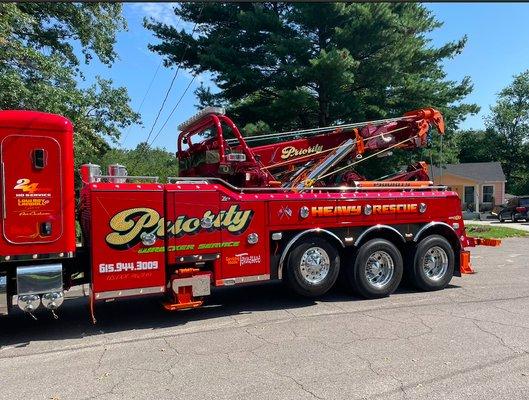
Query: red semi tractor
[{"x": 284, "y": 206}]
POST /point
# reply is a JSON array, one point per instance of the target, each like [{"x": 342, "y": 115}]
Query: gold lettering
[
  {"x": 128, "y": 225},
  {"x": 240, "y": 220},
  {"x": 291, "y": 151},
  {"x": 126, "y": 229}
]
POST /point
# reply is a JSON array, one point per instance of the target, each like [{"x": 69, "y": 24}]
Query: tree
[
  {"x": 299, "y": 65},
  {"x": 39, "y": 68},
  {"x": 508, "y": 132},
  {"x": 506, "y": 137},
  {"x": 143, "y": 161}
]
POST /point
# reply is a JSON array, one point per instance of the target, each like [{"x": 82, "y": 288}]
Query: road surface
[{"x": 470, "y": 341}]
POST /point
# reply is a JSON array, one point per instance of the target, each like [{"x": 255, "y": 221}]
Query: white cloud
[{"x": 162, "y": 12}]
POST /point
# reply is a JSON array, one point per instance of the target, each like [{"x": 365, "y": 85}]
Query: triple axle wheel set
[{"x": 373, "y": 270}]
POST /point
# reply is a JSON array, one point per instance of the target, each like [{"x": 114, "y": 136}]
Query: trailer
[{"x": 283, "y": 206}]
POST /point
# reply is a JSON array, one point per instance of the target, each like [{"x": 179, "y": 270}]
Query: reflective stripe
[
  {"x": 129, "y": 292},
  {"x": 242, "y": 279}
]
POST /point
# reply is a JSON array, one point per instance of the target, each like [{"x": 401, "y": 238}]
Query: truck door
[
  {"x": 32, "y": 184},
  {"x": 191, "y": 232},
  {"x": 245, "y": 255}
]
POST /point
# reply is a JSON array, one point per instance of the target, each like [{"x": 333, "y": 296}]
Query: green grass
[{"x": 494, "y": 232}]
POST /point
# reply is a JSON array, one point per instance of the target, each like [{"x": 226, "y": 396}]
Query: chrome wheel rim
[
  {"x": 379, "y": 269},
  {"x": 435, "y": 263},
  {"x": 314, "y": 265}
]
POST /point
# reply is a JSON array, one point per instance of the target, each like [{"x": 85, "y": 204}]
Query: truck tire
[
  {"x": 312, "y": 267},
  {"x": 377, "y": 269},
  {"x": 433, "y": 264}
]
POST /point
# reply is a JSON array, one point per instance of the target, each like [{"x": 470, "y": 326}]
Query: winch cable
[
  {"x": 331, "y": 149},
  {"x": 361, "y": 160},
  {"x": 314, "y": 131}
]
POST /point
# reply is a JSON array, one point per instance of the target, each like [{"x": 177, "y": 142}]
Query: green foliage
[
  {"x": 39, "y": 68},
  {"x": 508, "y": 124},
  {"x": 142, "y": 161},
  {"x": 300, "y": 65},
  {"x": 259, "y": 128},
  {"x": 506, "y": 138},
  {"x": 493, "y": 232}
]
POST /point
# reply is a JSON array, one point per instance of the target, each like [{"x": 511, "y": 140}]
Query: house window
[
  {"x": 488, "y": 192},
  {"x": 469, "y": 194}
]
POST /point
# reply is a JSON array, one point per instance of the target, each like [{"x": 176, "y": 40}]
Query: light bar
[{"x": 199, "y": 115}]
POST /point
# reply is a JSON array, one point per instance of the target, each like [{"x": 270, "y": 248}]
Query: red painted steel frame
[
  {"x": 234, "y": 217},
  {"x": 34, "y": 195},
  {"x": 115, "y": 258}
]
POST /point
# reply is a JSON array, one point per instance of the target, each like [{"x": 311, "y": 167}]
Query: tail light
[{"x": 521, "y": 209}]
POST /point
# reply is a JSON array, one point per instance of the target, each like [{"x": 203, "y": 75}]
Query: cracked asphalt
[{"x": 470, "y": 341}]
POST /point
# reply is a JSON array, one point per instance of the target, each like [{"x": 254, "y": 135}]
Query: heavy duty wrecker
[{"x": 283, "y": 206}]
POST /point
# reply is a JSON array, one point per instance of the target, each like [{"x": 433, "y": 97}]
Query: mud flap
[{"x": 464, "y": 266}]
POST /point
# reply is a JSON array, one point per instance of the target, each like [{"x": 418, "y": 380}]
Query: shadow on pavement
[{"x": 146, "y": 313}]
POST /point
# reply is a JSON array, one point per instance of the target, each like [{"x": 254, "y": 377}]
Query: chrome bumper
[
  {"x": 3, "y": 295},
  {"x": 39, "y": 279}
]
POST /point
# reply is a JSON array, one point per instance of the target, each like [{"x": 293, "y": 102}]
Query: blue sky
[{"x": 497, "y": 48}]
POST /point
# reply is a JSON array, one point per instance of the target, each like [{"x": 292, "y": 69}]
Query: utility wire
[
  {"x": 142, "y": 101},
  {"x": 167, "y": 95},
  {"x": 173, "y": 80},
  {"x": 173, "y": 110},
  {"x": 163, "y": 102}
]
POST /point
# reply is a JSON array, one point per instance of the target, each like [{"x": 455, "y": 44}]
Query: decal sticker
[
  {"x": 128, "y": 225},
  {"x": 243, "y": 259},
  {"x": 284, "y": 211},
  {"x": 395, "y": 208},
  {"x": 331, "y": 211},
  {"x": 128, "y": 266},
  {"x": 334, "y": 211},
  {"x": 291, "y": 151},
  {"x": 184, "y": 247},
  {"x": 26, "y": 186},
  {"x": 31, "y": 199}
]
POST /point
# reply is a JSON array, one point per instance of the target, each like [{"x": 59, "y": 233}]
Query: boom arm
[
  {"x": 319, "y": 153},
  {"x": 308, "y": 156}
]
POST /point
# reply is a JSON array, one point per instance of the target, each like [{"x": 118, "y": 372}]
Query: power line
[
  {"x": 167, "y": 95},
  {"x": 174, "y": 109},
  {"x": 142, "y": 101},
  {"x": 173, "y": 80}
]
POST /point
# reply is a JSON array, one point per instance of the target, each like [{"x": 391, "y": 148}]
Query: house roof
[{"x": 482, "y": 171}]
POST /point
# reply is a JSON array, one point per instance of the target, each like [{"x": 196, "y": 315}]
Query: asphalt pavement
[{"x": 469, "y": 341}]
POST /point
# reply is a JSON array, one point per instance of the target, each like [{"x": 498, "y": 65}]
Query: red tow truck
[{"x": 283, "y": 206}]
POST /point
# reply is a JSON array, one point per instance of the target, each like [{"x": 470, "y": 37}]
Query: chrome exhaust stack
[{"x": 117, "y": 173}]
